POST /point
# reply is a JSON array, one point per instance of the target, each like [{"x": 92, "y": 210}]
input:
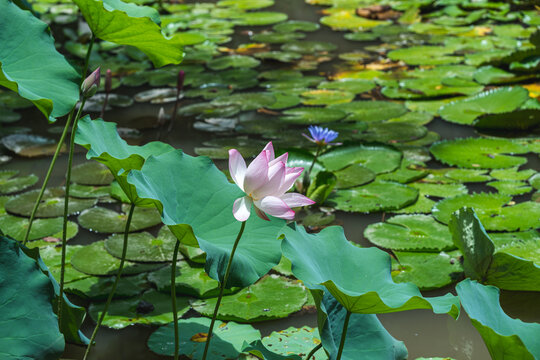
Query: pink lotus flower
[{"x": 265, "y": 182}]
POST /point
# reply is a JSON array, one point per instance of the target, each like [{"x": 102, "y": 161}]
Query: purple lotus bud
[
  {"x": 180, "y": 83},
  {"x": 91, "y": 84},
  {"x": 108, "y": 81}
]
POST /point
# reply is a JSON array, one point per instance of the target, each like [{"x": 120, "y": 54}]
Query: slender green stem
[
  {"x": 47, "y": 177},
  {"x": 66, "y": 209},
  {"x": 343, "y": 335},
  {"x": 87, "y": 58},
  {"x": 173, "y": 296},
  {"x": 118, "y": 275},
  {"x": 306, "y": 181},
  {"x": 313, "y": 351},
  {"x": 221, "y": 289}
]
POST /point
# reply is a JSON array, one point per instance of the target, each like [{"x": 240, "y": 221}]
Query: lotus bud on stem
[{"x": 90, "y": 85}]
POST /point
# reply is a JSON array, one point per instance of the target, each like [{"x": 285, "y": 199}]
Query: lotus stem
[
  {"x": 66, "y": 208},
  {"x": 115, "y": 284},
  {"x": 221, "y": 289},
  {"x": 306, "y": 180},
  {"x": 343, "y": 335},
  {"x": 173, "y": 296},
  {"x": 313, "y": 351},
  {"x": 87, "y": 58}
]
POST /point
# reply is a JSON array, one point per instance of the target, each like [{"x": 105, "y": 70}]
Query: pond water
[{"x": 424, "y": 333}]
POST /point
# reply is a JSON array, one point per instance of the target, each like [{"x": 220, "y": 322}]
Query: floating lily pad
[
  {"x": 103, "y": 220},
  {"x": 16, "y": 228},
  {"x": 277, "y": 37},
  {"x": 259, "y": 18},
  {"x": 428, "y": 271},
  {"x": 510, "y": 187},
  {"x": 309, "y": 47},
  {"x": 293, "y": 83},
  {"x": 8, "y": 116},
  {"x": 512, "y": 174},
  {"x": 143, "y": 246},
  {"x": 11, "y": 183},
  {"x": 404, "y": 174},
  {"x": 492, "y": 212},
  {"x": 479, "y": 153},
  {"x": 272, "y": 297},
  {"x": 29, "y": 145},
  {"x": 157, "y": 96},
  {"x": 245, "y": 101},
  {"x": 296, "y": 25},
  {"x": 521, "y": 119},
  {"x": 326, "y": 97},
  {"x": 309, "y": 115},
  {"x": 424, "y": 204},
  {"x": 98, "y": 288},
  {"x": 355, "y": 86},
  {"x": 209, "y": 92},
  {"x": 151, "y": 308},
  {"x": 284, "y": 100},
  {"x": 93, "y": 259},
  {"x": 279, "y": 56},
  {"x": 347, "y": 20},
  {"x": 52, "y": 257},
  {"x": 376, "y": 196},
  {"x": 371, "y": 111},
  {"x": 234, "y": 61},
  {"x": 295, "y": 341},
  {"x": 393, "y": 132},
  {"x": 410, "y": 233},
  {"x": 89, "y": 192},
  {"x": 91, "y": 173},
  {"x": 378, "y": 158},
  {"x": 52, "y": 203},
  {"x": 425, "y": 55},
  {"x": 468, "y": 175},
  {"x": 353, "y": 175},
  {"x": 227, "y": 339},
  {"x": 246, "y": 4}
]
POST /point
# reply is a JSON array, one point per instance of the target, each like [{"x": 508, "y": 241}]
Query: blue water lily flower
[{"x": 322, "y": 136}]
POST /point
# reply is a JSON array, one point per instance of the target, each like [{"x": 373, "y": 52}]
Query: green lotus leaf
[
  {"x": 535, "y": 181},
  {"x": 308, "y": 47},
  {"x": 103, "y": 220},
  {"x": 143, "y": 246},
  {"x": 326, "y": 97},
  {"x": 482, "y": 153},
  {"x": 227, "y": 340},
  {"x": 365, "y": 334},
  {"x": 257, "y": 348},
  {"x": 428, "y": 271},
  {"x": 491, "y": 75},
  {"x": 521, "y": 119},
  {"x": 430, "y": 106},
  {"x": 208, "y": 92},
  {"x": 31, "y": 66},
  {"x": 111, "y": 150},
  {"x": 284, "y": 100},
  {"x": 505, "y": 337},
  {"x": 273, "y": 297},
  {"x": 259, "y": 18},
  {"x": 410, "y": 233},
  {"x": 294, "y": 83},
  {"x": 373, "y": 292},
  {"x": 245, "y": 101},
  {"x": 129, "y": 24},
  {"x": 52, "y": 257},
  {"x": 378, "y": 158},
  {"x": 16, "y": 227},
  {"x": 10, "y": 183},
  {"x": 35, "y": 320},
  {"x": 52, "y": 203},
  {"x": 500, "y": 240},
  {"x": 311, "y": 115},
  {"x": 215, "y": 232},
  {"x": 425, "y": 55},
  {"x": 89, "y": 192},
  {"x": 393, "y": 132},
  {"x": 29, "y": 145},
  {"x": 492, "y": 212},
  {"x": 99, "y": 288},
  {"x": 279, "y": 56},
  {"x": 355, "y": 86},
  {"x": 353, "y": 175},
  {"x": 371, "y": 111},
  {"x": 150, "y": 308},
  {"x": 347, "y": 20},
  {"x": 225, "y": 62},
  {"x": 296, "y": 25},
  {"x": 424, "y": 204},
  {"x": 280, "y": 74},
  {"x": 469, "y": 175},
  {"x": 501, "y": 100},
  {"x": 277, "y": 37},
  {"x": 91, "y": 173},
  {"x": 510, "y": 187},
  {"x": 512, "y": 174},
  {"x": 246, "y": 4},
  {"x": 290, "y": 341},
  {"x": 375, "y": 196},
  {"x": 93, "y": 259},
  {"x": 404, "y": 174},
  {"x": 413, "y": 117}
]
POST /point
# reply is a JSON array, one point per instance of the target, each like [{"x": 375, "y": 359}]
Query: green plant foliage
[
  {"x": 259, "y": 18},
  {"x": 426, "y": 191},
  {"x": 468, "y": 175},
  {"x": 150, "y": 308},
  {"x": 234, "y": 61},
  {"x": 22, "y": 281},
  {"x": 294, "y": 341},
  {"x": 374, "y": 292},
  {"x": 512, "y": 174},
  {"x": 309, "y": 47},
  {"x": 52, "y": 257},
  {"x": 311, "y": 115},
  {"x": 143, "y": 246},
  {"x": 111, "y": 150},
  {"x": 377, "y": 158},
  {"x": 90, "y": 192},
  {"x": 16, "y": 228},
  {"x": 296, "y": 25},
  {"x": 128, "y": 24},
  {"x": 31, "y": 66},
  {"x": 227, "y": 340},
  {"x": 99, "y": 288},
  {"x": 272, "y": 297},
  {"x": 371, "y": 111},
  {"x": 355, "y": 86},
  {"x": 521, "y": 119},
  {"x": 257, "y": 348},
  {"x": 502, "y": 100},
  {"x": 425, "y": 55},
  {"x": 410, "y": 233},
  {"x": 205, "y": 219},
  {"x": 103, "y": 220},
  {"x": 483, "y": 153},
  {"x": 510, "y": 187},
  {"x": 353, "y": 175},
  {"x": 366, "y": 336},
  {"x": 11, "y": 183},
  {"x": 321, "y": 186},
  {"x": 91, "y": 173},
  {"x": 326, "y": 97},
  {"x": 375, "y": 196},
  {"x": 505, "y": 337}
]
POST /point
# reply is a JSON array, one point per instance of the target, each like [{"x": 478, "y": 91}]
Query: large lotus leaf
[
  {"x": 150, "y": 308},
  {"x": 410, "y": 233},
  {"x": 98, "y": 288},
  {"x": 371, "y": 111},
  {"x": 521, "y": 119},
  {"x": 91, "y": 173},
  {"x": 428, "y": 271},
  {"x": 120, "y": 23},
  {"x": 30, "y": 331},
  {"x": 16, "y": 228},
  {"x": 326, "y": 260},
  {"x": 143, "y": 246},
  {"x": 10, "y": 183},
  {"x": 271, "y": 298},
  {"x": 110, "y": 149},
  {"x": 510, "y": 187},
  {"x": 375, "y": 196},
  {"x": 227, "y": 340},
  {"x": 93, "y": 259},
  {"x": 505, "y": 337},
  {"x": 311, "y": 115},
  {"x": 52, "y": 203},
  {"x": 366, "y": 337},
  {"x": 492, "y": 212},
  {"x": 30, "y": 64},
  {"x": 378, "y": 158},
  {"x": 480, "y": 153},
  {"x": 205, "y": 218},
  {"x": 495, "y": 101},
  {"x": 103, "y": 220}
]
